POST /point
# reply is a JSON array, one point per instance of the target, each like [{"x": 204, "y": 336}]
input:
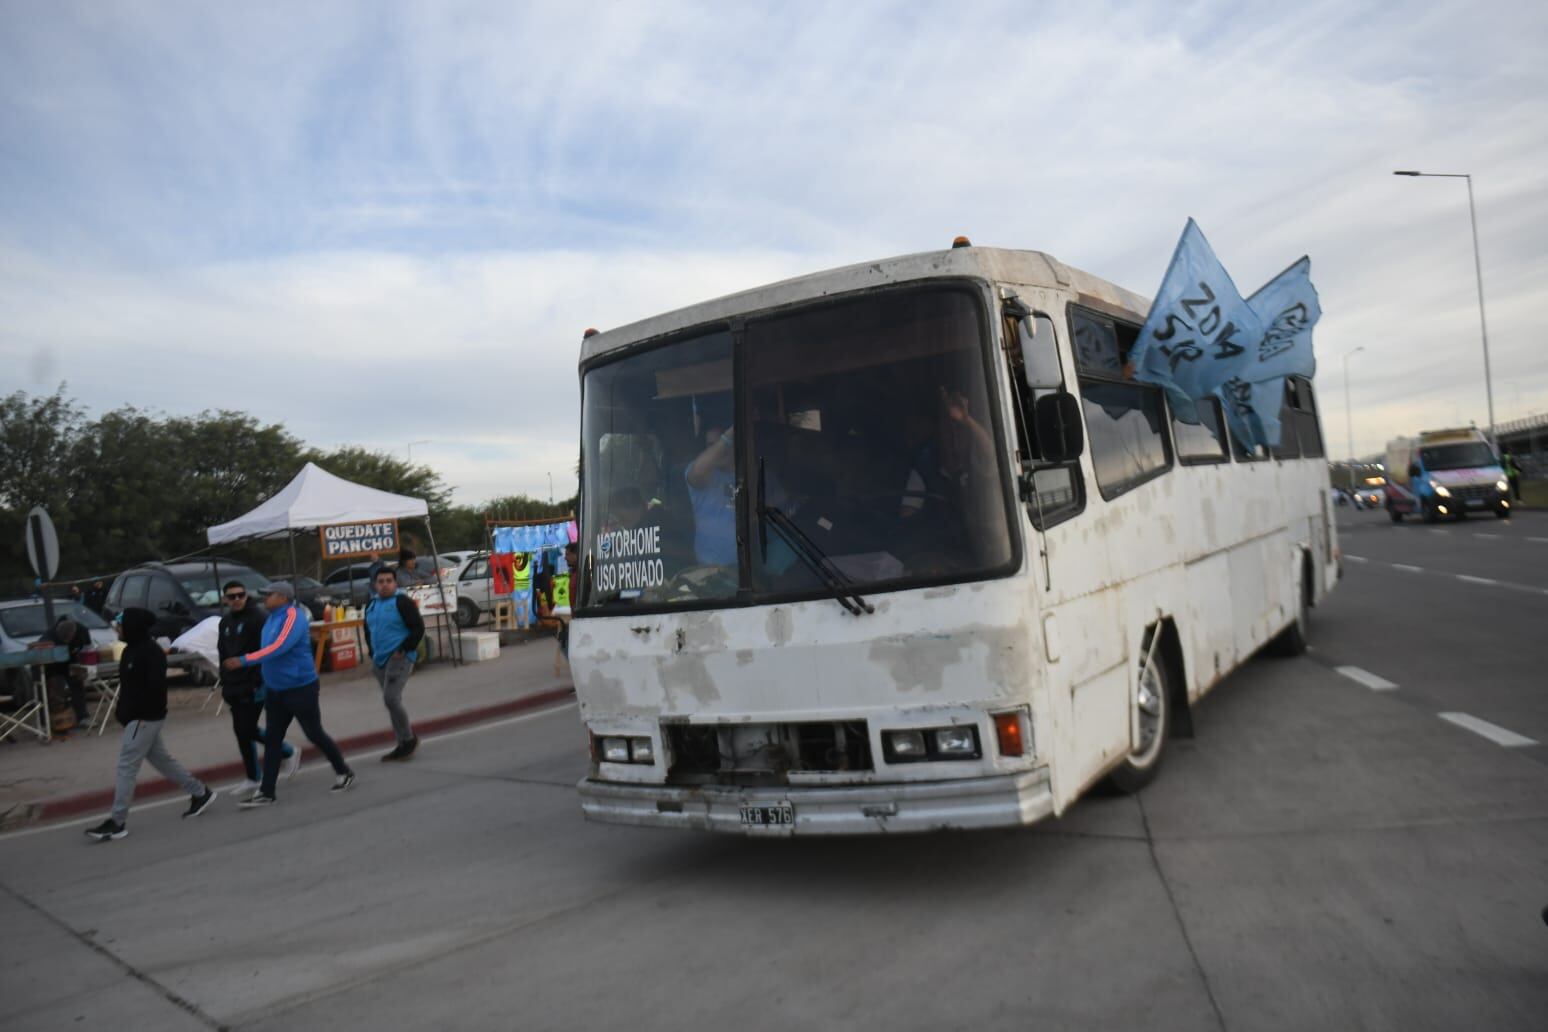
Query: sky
[{"x": 388, "y": 223}]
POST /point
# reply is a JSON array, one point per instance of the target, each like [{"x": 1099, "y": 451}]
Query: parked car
[
  {"x": 352, "y": 582},
  {"x": 310, "y": 592},
  {"x": 474, "y": 590},
  {"x": 24, "y": 621},
  {"x": 180, "y": 594}
]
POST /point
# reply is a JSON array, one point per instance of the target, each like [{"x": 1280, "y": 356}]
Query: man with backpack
[{"x": 393, "y": 629}]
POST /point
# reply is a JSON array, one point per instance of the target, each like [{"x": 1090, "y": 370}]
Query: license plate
[
  {"x": 1477, "y": 503},
  {"x": 768, "y": 816}
]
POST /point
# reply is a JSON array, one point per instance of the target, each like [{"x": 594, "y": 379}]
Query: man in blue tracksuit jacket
[{"x": 291, "y": 683}]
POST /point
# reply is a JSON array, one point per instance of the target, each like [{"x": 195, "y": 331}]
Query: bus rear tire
[
  {"x": 1292, "y": 641},
  {"x": 1153, "y": 698}
]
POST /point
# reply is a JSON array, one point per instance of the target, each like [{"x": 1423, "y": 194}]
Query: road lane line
[
  {"x": 1410, "y": 569},
  {"x": 1437, "y": 530},
  {"x": 1357, "y": 558},
  {"x": 1493, "y": 732},
  {"x": 1476, "y": 580},
  {"x": 1492, "y": 537},
  {"x": 1365, "y": 677},
  {"x": 229, "y": 790},
  {"x": 1541, "y": 541}
]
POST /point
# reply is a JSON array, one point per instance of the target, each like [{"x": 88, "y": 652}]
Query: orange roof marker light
[
  {"x": 961, "y": 241},
  {"x": 591, "y": 331}
]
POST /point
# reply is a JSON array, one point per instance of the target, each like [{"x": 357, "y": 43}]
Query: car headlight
[
  {"x": 1500, "y": 485},
  {"x": 615, "y": 750},
  {"x": 1440, "y": 489}
]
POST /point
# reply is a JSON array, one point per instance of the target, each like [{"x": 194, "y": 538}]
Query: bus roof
[{"x": 993, "y": 264}]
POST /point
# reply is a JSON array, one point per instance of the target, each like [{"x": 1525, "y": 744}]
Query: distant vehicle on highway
[
  {"x": 180, "y": 594},
  {"x": 1445, "y": 473}
]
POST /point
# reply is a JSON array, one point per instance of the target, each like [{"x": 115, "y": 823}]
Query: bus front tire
[
  {"x": 1153, "y": 699},
  {"x": 1292, "y": 640}
]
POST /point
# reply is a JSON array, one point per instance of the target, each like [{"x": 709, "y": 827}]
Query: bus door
[{"x": 1079, "y": 630}]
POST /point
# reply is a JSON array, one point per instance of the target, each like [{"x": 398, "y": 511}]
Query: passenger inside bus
[{"x": 711, "y": 479}]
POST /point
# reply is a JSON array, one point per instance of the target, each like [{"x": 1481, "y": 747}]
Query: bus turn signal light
[{"x": 1007, "y": 728}]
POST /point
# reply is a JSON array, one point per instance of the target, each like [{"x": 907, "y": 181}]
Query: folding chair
[
  {"x": 33, "y": 717},
  {"x": 107, "y": 702}
]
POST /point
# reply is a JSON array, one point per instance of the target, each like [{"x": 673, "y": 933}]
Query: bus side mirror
[{"x": 1056, "y": 421}]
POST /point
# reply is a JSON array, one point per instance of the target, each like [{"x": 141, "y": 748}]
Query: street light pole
[
  {"x": 1483, "y": 321},
  {"x": 1348, "y": 417},
  {"x": 411, "y": 449}
]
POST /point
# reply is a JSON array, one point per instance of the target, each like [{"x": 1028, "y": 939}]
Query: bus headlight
[
  {"x": 956, "y": 741},
  {"x": 618, "y": 749},
  {"x": 906, "y": 745}
]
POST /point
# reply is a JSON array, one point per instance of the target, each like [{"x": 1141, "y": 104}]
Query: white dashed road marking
[
  {"x": 1493, "y": 732},
  {"x": 1491, "y": 537},
  {"x": 1476, "y": 580},
  {"x": 1541, "y": 541},
  {"x": 1365, "y": 677},
  {"x": 1437, "y": 530},
  {"x": 1357, "y": 558},
  {"x": 1406, "y": 567}
]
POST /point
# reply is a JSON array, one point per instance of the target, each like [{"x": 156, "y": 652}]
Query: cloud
[{"x": 426, "y": 202}]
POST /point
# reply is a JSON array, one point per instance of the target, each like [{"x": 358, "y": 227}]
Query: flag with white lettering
[{"x": 1200, "y": 332}]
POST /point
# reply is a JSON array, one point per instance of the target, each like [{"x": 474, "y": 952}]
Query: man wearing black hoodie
[{"x": 142, "y": 710}]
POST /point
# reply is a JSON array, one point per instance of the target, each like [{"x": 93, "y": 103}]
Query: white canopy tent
[{"x": 315, "y": 498}]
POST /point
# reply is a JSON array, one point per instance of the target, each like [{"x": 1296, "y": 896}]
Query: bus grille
[{"x": 763, "y": 754}]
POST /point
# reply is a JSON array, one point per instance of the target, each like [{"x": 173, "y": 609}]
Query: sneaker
[
  {"x": 199, "y": 803},
  {"x": 292, "y": 763},
  {"x": 107, "y": 831},
  {"x": 344, "y": 782},
  {"x": 256, "y": 800},
  {"x": 397, "y": 753},
  {"x": 247, "y": 788},
  {"x": 409, "y": 747}
]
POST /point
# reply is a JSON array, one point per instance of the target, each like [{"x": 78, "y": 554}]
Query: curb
[{"x": 102, "y": 798}]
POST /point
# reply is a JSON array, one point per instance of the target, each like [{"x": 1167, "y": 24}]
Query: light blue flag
[
  {"x": 1288, "y": 307},
  {"x": 1200, "y": 333},
  {"x": 1252, "y": 410}
]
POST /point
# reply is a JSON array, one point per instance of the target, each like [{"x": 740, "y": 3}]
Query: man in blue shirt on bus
[
  {"x": 393, "y": 629},
  {"x": 290, "y": 680}
]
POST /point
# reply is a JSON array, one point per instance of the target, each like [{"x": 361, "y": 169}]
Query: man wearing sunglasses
[{"x": 241, "y": 632}]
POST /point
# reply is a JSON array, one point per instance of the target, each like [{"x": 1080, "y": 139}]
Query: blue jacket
[
  {"x": 286, "y": 655},
  {"x": 390, "y": 625}
]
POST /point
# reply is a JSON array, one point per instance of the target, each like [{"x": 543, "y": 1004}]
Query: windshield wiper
[{"x": 808, "y": 551}]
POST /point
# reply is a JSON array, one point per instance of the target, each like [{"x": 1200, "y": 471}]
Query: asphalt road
[{"x": 1322, "y": 854}]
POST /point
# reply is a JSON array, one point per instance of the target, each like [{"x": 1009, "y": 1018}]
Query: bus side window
[
  {"x": 1032, "y": 353},
  {"x": 1289, "y": 446},
  {"x": 1125, "y": 420}
]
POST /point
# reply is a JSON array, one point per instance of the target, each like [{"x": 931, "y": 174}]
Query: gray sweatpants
[
  {"x": 392, "y": 677},
  {"x": 141, "y": 742}
]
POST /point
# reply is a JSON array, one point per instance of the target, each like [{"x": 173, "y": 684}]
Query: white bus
[{"x": 896, "y": 547}]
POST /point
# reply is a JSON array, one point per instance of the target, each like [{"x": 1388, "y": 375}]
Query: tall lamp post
[
  {"x": 1348, "y": 416},
  {"x": 411, "y": 449},
  {"x": 1483, "y": 322}
]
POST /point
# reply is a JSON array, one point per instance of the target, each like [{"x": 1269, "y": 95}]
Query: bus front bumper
[{"x": 995, "y": 802}]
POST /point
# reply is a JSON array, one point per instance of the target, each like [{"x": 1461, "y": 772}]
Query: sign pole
[{"x": 35, "y": 524}]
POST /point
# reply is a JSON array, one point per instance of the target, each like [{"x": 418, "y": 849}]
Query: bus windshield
[
  {"x": 1458, "y": 456},
  {"x": 866, "y": 429}
]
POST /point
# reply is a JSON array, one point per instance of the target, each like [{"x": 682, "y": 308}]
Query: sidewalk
[{"x": 74, "y": 774}]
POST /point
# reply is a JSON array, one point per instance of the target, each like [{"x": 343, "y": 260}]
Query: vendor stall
[{"x": 352, "y": 520}]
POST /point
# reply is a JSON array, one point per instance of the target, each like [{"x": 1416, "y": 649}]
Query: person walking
[
  {"x": 1512, "y": 474},
  {"x": 393, "y": 629},
  {"x": 142, "y": 710},
  {"x": 241, "y": 632},
  {"x": 290, "y": 690}
]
